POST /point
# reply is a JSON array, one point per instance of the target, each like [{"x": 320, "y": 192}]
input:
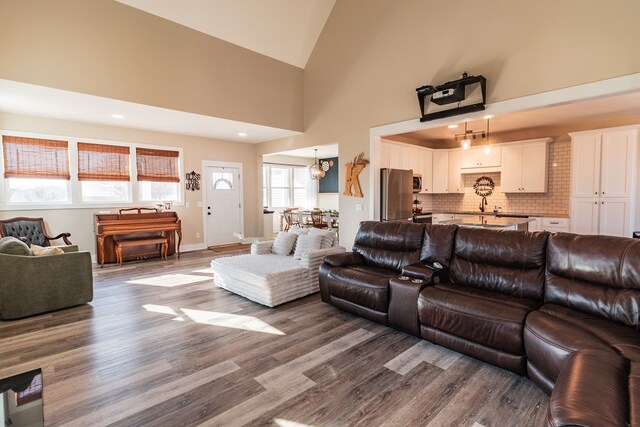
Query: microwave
[{"x": 417, "y": 183}]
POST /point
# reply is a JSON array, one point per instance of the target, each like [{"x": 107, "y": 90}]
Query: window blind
[
  {"x": 100, "y": 162},
  {"x": 157, "y": 165},
  {"x": 35, "y": 158}
]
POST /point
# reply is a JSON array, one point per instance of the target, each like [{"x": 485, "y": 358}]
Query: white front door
[{"x": 223, "y": 205}]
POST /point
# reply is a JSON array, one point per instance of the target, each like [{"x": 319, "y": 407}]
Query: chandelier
[{"x": 315, "y": 170}]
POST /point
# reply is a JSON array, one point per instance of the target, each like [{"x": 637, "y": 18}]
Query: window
[
  {"x": 36, "y": 170},
  {"x": 103, "y": 171},
  {"x": 159, "y": 174},
  {"x": 285, "y": 186},
  {"x": 222, "y": 180}
]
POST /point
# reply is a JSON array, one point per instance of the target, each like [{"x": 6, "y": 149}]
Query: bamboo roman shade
[
  {"x": 157, "y": 165},
  {"x": 35, "y": 158},
  {"x": 100, "y": 162}
]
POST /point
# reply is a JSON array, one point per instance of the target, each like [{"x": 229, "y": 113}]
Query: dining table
[{"x": 304, "y": 218}]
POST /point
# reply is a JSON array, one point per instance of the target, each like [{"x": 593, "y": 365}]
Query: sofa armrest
[
  {"x": 591, "y": 390},
  {"x": 422, "y": 272},
  {"x": 261, "y": 248},
  {"x": 38, "y": 284},
  {"x": 313, "y": 259},
  {"x": 344, "y": 259}
]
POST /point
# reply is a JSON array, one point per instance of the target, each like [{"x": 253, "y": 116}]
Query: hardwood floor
[{"x": 159, "y": 345}]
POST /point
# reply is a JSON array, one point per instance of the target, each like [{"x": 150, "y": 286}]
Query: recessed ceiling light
[
  {"x": 117, "y": 116},
  {"x": 452, "y": 126},
  {"x": 242, "y": 134}
]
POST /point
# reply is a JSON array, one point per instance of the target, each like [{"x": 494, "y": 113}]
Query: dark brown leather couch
[
  {"x": 496, "y": 279},
  {"x": 563, "y": 309}
]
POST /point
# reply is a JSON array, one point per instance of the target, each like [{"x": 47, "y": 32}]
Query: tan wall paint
[
  {"x": 108, "y": 49},
  {"x": 79, "y": 222},
  {"x": 372, "y": 55}
]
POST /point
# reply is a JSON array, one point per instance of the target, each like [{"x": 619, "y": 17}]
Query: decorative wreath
[{"x": 484, "y": 186}]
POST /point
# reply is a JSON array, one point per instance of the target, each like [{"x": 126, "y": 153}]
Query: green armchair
[{"x": 33, "y": 285}]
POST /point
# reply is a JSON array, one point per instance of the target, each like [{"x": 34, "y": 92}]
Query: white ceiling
[
  {"x": 41, "y": 101},
  {"x": 286, "y": 30}
]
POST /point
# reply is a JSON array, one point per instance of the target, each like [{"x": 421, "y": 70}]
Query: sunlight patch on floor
[
  {"x": 164, "y": 309},
  {"x": 169, "y": 280},
  {"x": 204, "y": 271},
  {"x": 286, "y": 423},
  {"x": 234, "y": 321}
]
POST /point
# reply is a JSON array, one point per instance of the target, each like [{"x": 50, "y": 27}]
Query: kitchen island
[{"x": 491, "y": 221}]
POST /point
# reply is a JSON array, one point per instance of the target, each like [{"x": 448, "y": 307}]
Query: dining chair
[
  {"x": 291, "y": 218},
  {"x": 317, "y": 219}
]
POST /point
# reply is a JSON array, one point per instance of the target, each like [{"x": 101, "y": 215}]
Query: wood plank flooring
[{"x": 160, "y": 346}]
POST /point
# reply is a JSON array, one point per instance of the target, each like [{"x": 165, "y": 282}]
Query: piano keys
[{"x": 141, "y": 224}]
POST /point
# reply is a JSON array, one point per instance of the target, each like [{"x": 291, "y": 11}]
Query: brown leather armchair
[{"x": 30, "y": 230}]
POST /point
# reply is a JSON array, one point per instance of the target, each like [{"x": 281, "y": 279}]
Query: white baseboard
[{"x": 192, "y": 247}]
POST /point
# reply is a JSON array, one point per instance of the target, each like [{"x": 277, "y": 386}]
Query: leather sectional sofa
[{"x": 562, "y": 309}]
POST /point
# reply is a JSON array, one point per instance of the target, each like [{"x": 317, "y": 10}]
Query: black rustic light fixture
[{"x": 193, "y": 181}]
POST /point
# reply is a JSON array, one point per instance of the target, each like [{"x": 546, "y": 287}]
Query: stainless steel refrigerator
[{"x": 396, "y": 198}]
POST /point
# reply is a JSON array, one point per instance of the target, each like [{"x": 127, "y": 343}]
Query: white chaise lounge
[{"x": 268, "y": 278}]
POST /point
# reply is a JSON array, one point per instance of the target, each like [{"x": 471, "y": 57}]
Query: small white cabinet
[
  {"x": 524, "y": 166},
  {"x": 603, "y": 188},
  {"x": 477, "y": 158},
  {"x": 455, "y": 181},
  {"x": 440, "y": 171},
  {"x": 427, "y": 171}
]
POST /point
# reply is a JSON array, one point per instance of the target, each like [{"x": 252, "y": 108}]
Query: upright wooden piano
[{"x": 135, "y": 224}]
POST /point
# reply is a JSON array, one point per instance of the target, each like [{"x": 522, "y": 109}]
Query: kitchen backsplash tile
[{"x": 554, "y": 202}]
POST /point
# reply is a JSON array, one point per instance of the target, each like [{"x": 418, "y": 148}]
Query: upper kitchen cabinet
[
  {"x": 455, "y": 182},
  {"x": 427, "y": 174},
  {"x": 602, "y": 163},
  {"x": 440, "y": 171},
  {"x": 524, "y": 166},
  {"x": 477, "y": 160},
  {"x": 405, "y": 156}
]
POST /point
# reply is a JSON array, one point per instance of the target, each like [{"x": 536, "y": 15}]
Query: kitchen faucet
[{"x": 483, "y": 203}]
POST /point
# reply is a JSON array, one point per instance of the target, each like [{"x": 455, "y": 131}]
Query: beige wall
[
  {"x": 79, "y": 222},
  {"x": 372, "y": 55},
  {"x": 108, "y": 49}
]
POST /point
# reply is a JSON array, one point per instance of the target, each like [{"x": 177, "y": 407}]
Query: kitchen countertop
[
  {"x": 488, "y": 221},
  {"x": 499, "y": 213}
]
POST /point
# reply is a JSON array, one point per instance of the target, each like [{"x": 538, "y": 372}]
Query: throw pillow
[
  {"x": 298, "y": 231},
  {"x": 327, "y": 237},
  {"x": 307, "y": 243},
  {"x": 13, "y": 246},
  {"x": 40, "y": 251},
  {"x": 284, "y": 243}
]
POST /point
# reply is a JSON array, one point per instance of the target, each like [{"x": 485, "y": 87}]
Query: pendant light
[
  {"x": 315, "y": 170},
  {"x": 487, "y": 145},
  {"x": 466, "y": 142}
]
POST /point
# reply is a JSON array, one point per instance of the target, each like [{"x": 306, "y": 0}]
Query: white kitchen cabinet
[
  {"x": 555, "y": 225},
  {"x": 602, "y": 163},
  {"x": 476, "y": 158},
  {"x": 427, "y": 170},
  {"x": 603, "y": 175},
  {"x": 395, "y": 156},
  {"x": 441, "y": 217},
  {"x": 536, "y": 224},
  {"x": 596, "y": 215},
  {"x": 455, "y": 181},
  {"x": 414, "y": 159},
  {"x": 440, "y": 171},
  {"x": 524, "y": 167}
]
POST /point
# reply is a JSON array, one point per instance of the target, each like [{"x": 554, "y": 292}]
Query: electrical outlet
[
  {"x": 197, "y": 235},
  {"x": 186, "y": 205},
  {"x": 358, "y": 206}
]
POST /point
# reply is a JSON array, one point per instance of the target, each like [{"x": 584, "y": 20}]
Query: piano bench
[{"x": 120, "y": 244}]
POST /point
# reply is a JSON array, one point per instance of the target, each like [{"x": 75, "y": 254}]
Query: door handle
[{"x": 208, "y": 213}]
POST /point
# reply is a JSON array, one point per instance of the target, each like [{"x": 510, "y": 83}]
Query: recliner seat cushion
[
  {"x": 554, "y": 332},
  {"x": 478, "y": 315},
  {"x": 365, "y": 286}
]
